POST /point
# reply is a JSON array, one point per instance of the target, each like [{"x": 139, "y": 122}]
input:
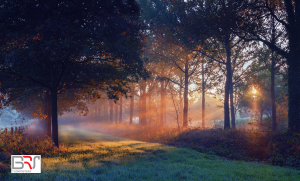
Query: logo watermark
[{"x": 26, "y": 163}]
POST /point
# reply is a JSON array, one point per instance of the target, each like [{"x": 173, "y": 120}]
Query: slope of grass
[{"x": 96, "y": 156}]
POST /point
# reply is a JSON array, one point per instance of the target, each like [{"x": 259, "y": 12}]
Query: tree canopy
[{"x": 59, "y": 45}]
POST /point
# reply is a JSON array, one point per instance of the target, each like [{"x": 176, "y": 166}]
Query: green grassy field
[{"x": 96, "y": 156}]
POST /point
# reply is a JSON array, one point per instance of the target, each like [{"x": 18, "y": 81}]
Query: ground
[{"x": 96, "y": 156}]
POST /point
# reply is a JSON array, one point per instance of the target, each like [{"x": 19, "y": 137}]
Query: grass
[
  {"x": 281, "y": 149},
  {"x": 96, "y": 156}
]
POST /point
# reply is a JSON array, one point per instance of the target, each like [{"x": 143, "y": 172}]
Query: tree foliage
[
  {"x": 255, "y": 27},
  {"x": 59, "y": 45}
]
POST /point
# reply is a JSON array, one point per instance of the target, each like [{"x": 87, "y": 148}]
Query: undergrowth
[
  {"x": 20, "y": 144},
  {"x": 281, "y": 149},
  {"x": 97, "y": 156}
]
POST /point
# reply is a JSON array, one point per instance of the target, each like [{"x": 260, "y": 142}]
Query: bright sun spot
[{"x": 254, "y": 91}]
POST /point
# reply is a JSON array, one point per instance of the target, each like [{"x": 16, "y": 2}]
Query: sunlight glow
[{"x": 254, "y": 91}]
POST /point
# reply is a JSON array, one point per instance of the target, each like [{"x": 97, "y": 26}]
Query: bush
[
  {"x": 2, "y": 168},
  {"x": 18, "y": 144},
  {"x": 278, "y": 149}
]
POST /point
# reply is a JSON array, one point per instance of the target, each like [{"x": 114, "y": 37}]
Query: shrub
[
  {"x": 2, "y": 168},
  {"x": 278, "y": 149},
  {"x": 18, "y": 144},
  {"x": 284, "y": 149}
]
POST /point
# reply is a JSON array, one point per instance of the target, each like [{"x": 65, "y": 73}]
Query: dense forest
[{"x": 152, "y": 59}]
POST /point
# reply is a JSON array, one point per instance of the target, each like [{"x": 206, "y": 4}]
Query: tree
[
  {"x": 186, "y": 63},
  {"x": 132, "y": 93},
  {"x": 256, "y": 95},
  {"x": 215, "y": 52},
  {"x": 143, "y": 103},
  {"x": 210, "y": 78},
  {"x": 121, "y": 110},
  {"x": 273, "y": 63},
  {"x": 157, "y": 18},
  {"x": 287, "y": 14},
  {"x": 212, "y": 21},
  {"x": 111, "y": 110},
  {"x": 70, "y": 44}
]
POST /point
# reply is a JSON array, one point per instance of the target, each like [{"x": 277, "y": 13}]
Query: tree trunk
[
  {"x": 96, "y": 110},
  {"x": 105, "y": 109},
  {"x": 274, "y": 124},
  {"x": 228, "y": 83},
  {"x": 162, "y": 99},
  {"x": 226, "y": 106},
  {"x": 140, "y": 106},
  {"x": 111, "y": 110},
  {"x": 45, "y": 112},
  {"x": 293, "y": 60},
  {"x": 203, "y": 97},
  {"x": 54, "y": 116},
  {"x": 100, "y": 110},
  {"x": 149, "y": 109},
  {"x": 232, "y": 107},
  {"x": 261, "y": 113},
  {"x": 175, "y": 107},
  {"x": 143, "y": 103},
  {"x": 165, "y": 103},
  {"x": 131, "y": 108},
  {"x": 48, "y": 112},
  {"x": 294, "y": 89},
  {"x": 185, "y": 95},
  {"x": 121, "y": 109},
  {"x": 116, "y": 112},
  {"x": 180, "y": 101}
]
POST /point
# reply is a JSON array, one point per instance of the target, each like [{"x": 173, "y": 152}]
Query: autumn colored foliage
[{"x": 21, "y": 144}]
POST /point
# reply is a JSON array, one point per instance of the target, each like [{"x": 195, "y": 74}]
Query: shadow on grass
[{"x": 134, "y": 160}]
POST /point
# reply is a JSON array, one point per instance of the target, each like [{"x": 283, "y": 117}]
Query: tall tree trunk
[
  {"x": 96, "y": 109},
  {"x": 116, "y": 111},
  {"x": 101, "y": 107},
  {"x": 48, "y": 111},
  {"x": 165, "y": 103},
  {"x": 203, "y": 96},
  {"x": 294, "y": 89},
  {"x": 180, "y": 101},
  {"x": 54, "y": 116},
  {"x": 121, "y": 109},
  {"x": 273, "y": 41},
  {"x": 261, "y": 113},
  {"x": 149, "y": 108},
  {"x": 232, "y": 107},
  {"x": 105, "y": 109},
  {"x": 143, "y": 103},
  {"x": 45, "y": 112},
  {"x": 162, "y": 99},
  {"x": 185, "y": 95},
  {"x": 111, "y": 110},
  {"x": 131, "y": 108},
  {"x": 274, "y": 124},
  {"x": 140, "y": 106},
  {"x": 228, "y": 83},
  {"x": 293, "y": 60}
]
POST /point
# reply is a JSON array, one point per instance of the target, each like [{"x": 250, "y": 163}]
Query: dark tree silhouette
[
  {"x": 255, "y": 27},
  {"x": 59, "y": 45}
]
